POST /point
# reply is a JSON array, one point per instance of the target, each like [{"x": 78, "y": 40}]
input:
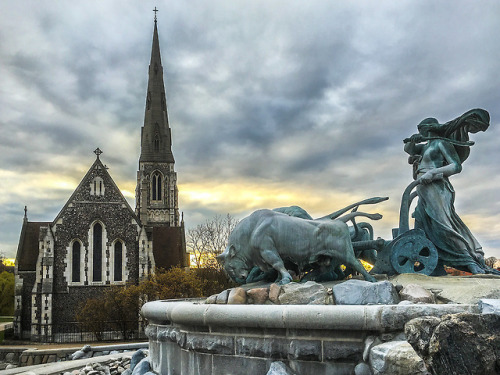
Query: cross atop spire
[
  {"x": 98, "y": 152},
  {"x": 155, "y": 10}
]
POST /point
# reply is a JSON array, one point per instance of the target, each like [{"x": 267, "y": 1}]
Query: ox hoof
[
  {"x": 371, "y": 279},
  {"x": 285, "y": 280}
]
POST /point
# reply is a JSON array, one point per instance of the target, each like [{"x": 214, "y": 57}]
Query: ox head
[{"x": 235, "y": 266}]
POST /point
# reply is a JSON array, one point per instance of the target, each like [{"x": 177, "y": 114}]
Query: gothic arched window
[
  {"x": 118, "y": 257},
  {"x": 156, "y": 187},
  {"x": 97, "y": 253},
  {"x": 75, "y": 262}
]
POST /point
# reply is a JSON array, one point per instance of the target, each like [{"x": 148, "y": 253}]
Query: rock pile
[
  {"x": 120, "y": 365},
  {"x": 137, "y": 364},
  {"x": 351, "y": 292}
]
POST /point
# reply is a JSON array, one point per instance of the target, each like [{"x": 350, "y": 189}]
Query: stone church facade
[{"x": 97, "y": 240}]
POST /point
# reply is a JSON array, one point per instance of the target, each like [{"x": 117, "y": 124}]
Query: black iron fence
[{"x": 98, "y": 331}]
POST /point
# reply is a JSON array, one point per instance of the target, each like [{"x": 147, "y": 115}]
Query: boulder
[
  {"x": 85, "y": 352},
  {"x": 237, "y": 296},
  {"x": 212, "y": 299},
  {"x": 360, "y": 292},
  {"x": 489, "y": 306},
  {"x": 142, "y": 367},
  {"x": 396, "y": 358},
  {"x": 416, "y": 293},
  {"x": 419, "y": 332},
  {"x": 222, "y": 297},
  {"x": 309, "y": 293},
  {"x": 460, "y": 344},
  {"x": 137, "y": 357},
  {"x": 259, "y": 296},
  {"x": 362, "y": 369},
  {"x": 279, "y": 368},
  {"x": 274, "y": 292}
]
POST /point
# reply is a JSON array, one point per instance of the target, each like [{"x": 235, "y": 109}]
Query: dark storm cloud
[{"x": 392, "y": 76}]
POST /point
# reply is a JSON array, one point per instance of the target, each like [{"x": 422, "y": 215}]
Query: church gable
[
  {"x": 96, "y": 234},
  {"x": 96, "y": 187}
]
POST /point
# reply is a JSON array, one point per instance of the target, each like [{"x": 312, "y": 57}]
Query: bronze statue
[{"x": 438, "y": 152}]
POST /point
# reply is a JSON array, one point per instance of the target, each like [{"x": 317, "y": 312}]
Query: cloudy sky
[{"x": 271, "y": 103}]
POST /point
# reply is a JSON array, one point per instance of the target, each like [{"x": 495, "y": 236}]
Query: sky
[{"x": 271, "y": 103}]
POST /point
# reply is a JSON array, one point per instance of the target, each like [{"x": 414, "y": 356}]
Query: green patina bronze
[{"x": 436, "y": 153}]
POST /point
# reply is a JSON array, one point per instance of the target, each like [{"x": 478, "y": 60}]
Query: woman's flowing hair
[{"x": 458, "y": 129}]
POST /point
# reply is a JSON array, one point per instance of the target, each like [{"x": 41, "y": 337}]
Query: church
[{"x": 97, "y": 240}]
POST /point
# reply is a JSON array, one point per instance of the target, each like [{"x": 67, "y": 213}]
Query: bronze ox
[{"x": 267, "y": 239}]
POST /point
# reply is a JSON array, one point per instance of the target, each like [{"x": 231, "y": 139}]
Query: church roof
[
  {"x": 156, "y": 138},
  {"x": 27, "y": 251}
]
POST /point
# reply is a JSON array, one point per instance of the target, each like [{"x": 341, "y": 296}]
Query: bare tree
[{"x": 209, "y": 239}]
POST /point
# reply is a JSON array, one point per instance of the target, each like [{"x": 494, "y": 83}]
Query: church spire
[
  {"x": 156, "y": 139},
  {"x": 156, "y": 192}
]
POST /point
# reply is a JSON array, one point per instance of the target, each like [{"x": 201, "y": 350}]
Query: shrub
[{"x": 6, "y": 293}]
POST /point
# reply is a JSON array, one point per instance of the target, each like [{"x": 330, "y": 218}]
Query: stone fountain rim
[{"x": 337, "y": 317}]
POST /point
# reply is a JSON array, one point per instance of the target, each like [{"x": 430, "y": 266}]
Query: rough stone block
[
  {"x": 279, "y": 368},
  {"x": 211, "y": 300},
  {"x": 137, "y": 357},
  {"x": 142, "y": 367},
  {"x": 10, "y": 357},
  {"x": 419, "y": 332},
  {"x": 274, "y": 292},
  {"x": 309, "y": 293},
  {"x": 222, "y": 297},
  {"x": 396, "y": 358},
  {"x": 360, "y": 292},
  {"x": 489, "y": 306},
  {"x": 237, "y": 296},
  {"x": 266, "y": 347},
  {"x": 258, "y": 295},
  {"x": 151, "y": 331},
  {"x": 461, "y": 344},
  {"x": 416, "y": 293},
  {"x": 214, "y": 344},
  {"x": 362, "y": 369},
  {"x": 170, "y": 334},
  {"x": 305, "y": 350},
  {"x": 344, "y": 350}
]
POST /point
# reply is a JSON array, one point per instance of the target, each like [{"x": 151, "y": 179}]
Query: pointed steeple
[
  {"x": 156, "y": 194},
  {"x": 156, "y": 139}
]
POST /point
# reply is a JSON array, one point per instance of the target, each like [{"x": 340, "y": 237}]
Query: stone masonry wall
[{"x": 75, "y": 222}]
